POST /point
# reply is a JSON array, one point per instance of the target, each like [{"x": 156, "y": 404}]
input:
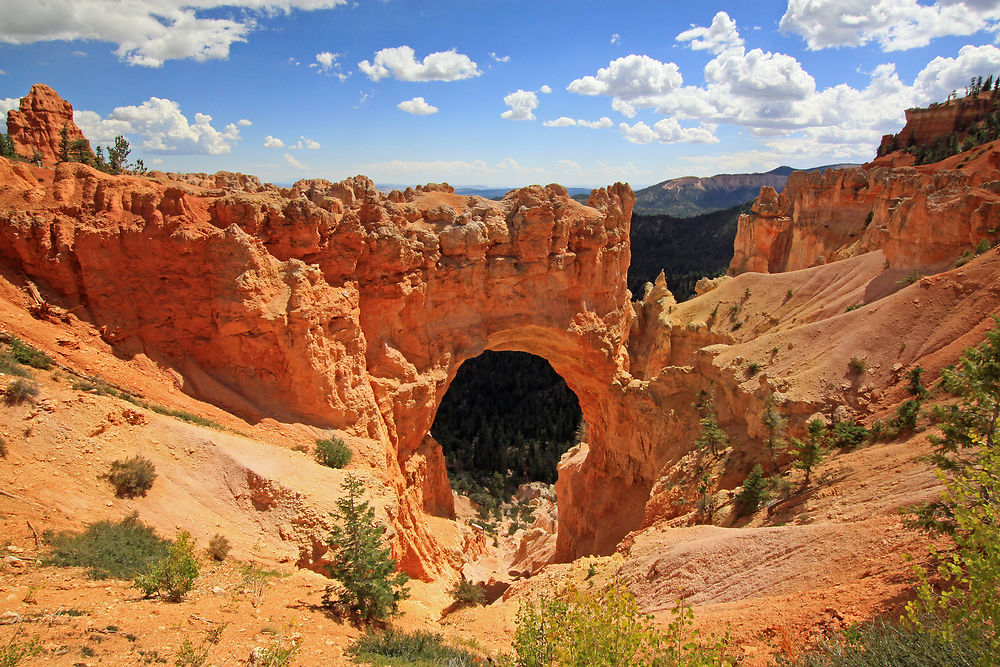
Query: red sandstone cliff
[
  {"x": 919, "y": 217},
  {"x": 36, "y": 127}
]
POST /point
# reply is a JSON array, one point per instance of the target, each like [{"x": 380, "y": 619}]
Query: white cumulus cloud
[
  {"x": 893, "y": 24},
  {"x": 329, "y": 63},
  {"x": 545, "y": 89},
  {"x": 562, "y": 121},
  {"x": 147, "y": 32},
  {"x": 521, "y": 103},
  {"x": 305, "y": 142},
  {"x": 400, "y": 63},
  {"x": 718, "y": 37},
  {"x": 161, "y": 127},
  {"x": 273, "y": 142},
  {"x": 628, "y": 78},
  {"x": 596, "y": 124},
  {"x": 418, "y": 106},
  {"x": 666, "y": 131}
]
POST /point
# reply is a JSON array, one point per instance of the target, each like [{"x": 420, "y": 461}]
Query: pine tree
[
  {"x": 754, "y": 492},
  {"x": 810, "y": 452},
  {"x": 775, "y": 424},
  {"x": 712, "y": 436},
  {"x": 118, "y": 155},
  {"x": 371, "y": 586}
]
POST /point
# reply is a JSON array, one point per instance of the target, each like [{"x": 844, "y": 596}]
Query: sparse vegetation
[
  {"x": 254, "y": 580},
  {"x": 16, "y": 650},
  {"x": 332, "y": 452},
  {"x": 854, "y": 307},
  {"x": 789, "y": 294},
  {"x": 119, "y": 550},
  {"x": 606, "y": 628},
  {"x": 19, "y": 391},
  {"x": 775, "y": 424},
  {"x": 23, "y": 353},
  {"x": 389, "y": 646},
  {"x": 190, "y": 656},
  {"x": 916, "y": 387},
  {"x": 910, "y": 278},
  {"x": 218, "y": 547},
  {"x": 753, "y": 369},
  {"x": 907, "y": 414},
  {"x": 132, "y": 477},
  {"x": 278, "y": 653},
  {"x": 172, "y": 576},
  {"x": 465, "y": 592},
  {"x": 371, "y": 587},
  {"x": 879, "y": 644}
]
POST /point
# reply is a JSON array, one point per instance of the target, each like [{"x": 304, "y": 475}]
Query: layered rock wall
[{"x": 918, "y": 218}]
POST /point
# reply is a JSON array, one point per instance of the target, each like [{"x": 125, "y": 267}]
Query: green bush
[
  {"x": 119, "y": 550},
  {"x": 754, "y": 492},
  {"x": 218, "y": 547},
  {"x": 19, "y": 391},
  {"x": 906, "y": 415},
  {"x": 14, "y": 651},
  {"x": 848, "y": 434},
  {"x": 172, "y": 576},
  {"x": 332, "y": 452},
  {"x": 29, "y": 356},
  {"x": 858, "y": 365},
  {"x": 753, "y": 369},
  {"x": 11, "y": 366},
  {"x": 389, "y": 646},
  {"x": 880, "y": 644},
  {"x": 278, "y": 654},
  {"x": 371, "y": 586},
  {"x": 607, "y": 629},
  {"x": 467, "y": 593},
  {"x": 132, "y": 477},
  {"x": 809, "y": 453}
]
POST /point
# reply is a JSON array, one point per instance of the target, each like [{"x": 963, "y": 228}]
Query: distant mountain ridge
[{"x": 689, "y": 196}]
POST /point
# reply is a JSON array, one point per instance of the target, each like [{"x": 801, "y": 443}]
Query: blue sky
[{"x": 500, "y": 93}]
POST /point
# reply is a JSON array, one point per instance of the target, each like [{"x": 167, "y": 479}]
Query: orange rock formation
[
  {"x": 37, "y": 125},
  {"x": 919, "y": 217}
]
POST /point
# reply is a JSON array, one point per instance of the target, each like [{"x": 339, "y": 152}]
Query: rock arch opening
[{"x": 505, "y": 420}]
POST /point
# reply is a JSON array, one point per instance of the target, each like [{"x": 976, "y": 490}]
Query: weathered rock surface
[
  {"x": 36, "y": 127},
  {"x": 920, "y": 218}
]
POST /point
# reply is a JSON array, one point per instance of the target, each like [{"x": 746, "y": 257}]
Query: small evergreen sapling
[
  {"x": 810, "y": 452},
  {"x": 371, "y": 586}
]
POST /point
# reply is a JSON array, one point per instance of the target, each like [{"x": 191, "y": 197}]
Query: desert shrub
[
  {"x": 183, "y": 416},
  {"x": 779, "y": 486},
  {"x": 190, "y": 656},
  {"x": 10, "y": 366},
  {"x": 606, "y": 628},
  {"x": 278, "y": 653},
  {"x": 753, "y": 369},
  {"x": 20, "y": 390},
  {"x": 390, "y": 646},
  {"x": 132, "y": 477},
  {"x": 172, "y": 576},
  {"x": 916, "y": 387},
  {"x": 119, "y": 550},
  {"x": 467, "y": 593},
  {"x": 910, "y": 278},
  {"x": 371, "y": 586},
  {"x": 14, "y": 651},
  {"x": 332, "y": 452},
  {"x": 848, "y": 434},
  {"x": 218, "y": 547},
  {"x": 754, "y": 492},
  {"x": 858, "y": 365},
  {"x": 28, "y": 355},
  {"x": 877, "y": 644},
  {"x": 906, "y": 415},
  {"x": 255, "y": 580}
]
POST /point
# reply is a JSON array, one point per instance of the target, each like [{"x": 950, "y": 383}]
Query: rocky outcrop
[
  {"x": 36, "y": 127},
  {"x": 938, "y": 121},
  {"x": 329, "y": 304},
  {"x": 919, "y": 218}
]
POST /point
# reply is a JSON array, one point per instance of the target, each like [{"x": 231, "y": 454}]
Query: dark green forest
[
  {"x": 685, "y": 249},
  {"x": 505, "y": 411}
]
